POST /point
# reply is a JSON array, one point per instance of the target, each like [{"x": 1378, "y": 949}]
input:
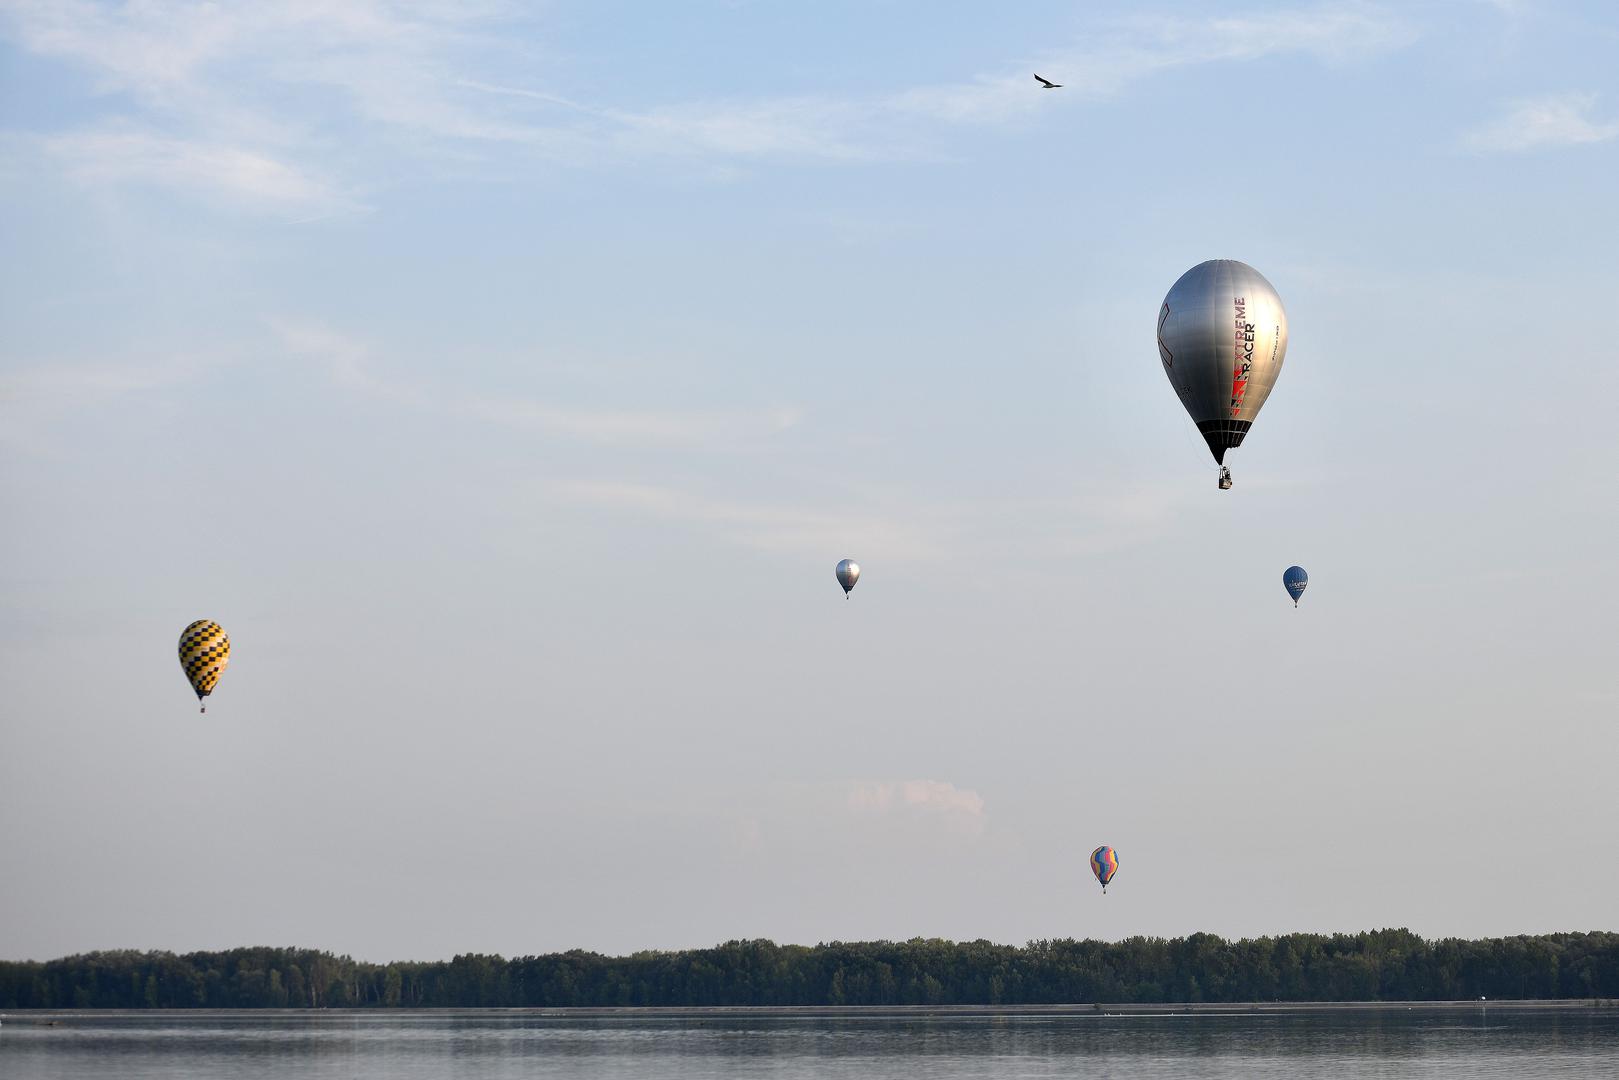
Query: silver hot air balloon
[
  {"x": 848, "y": 574},
  {"x": 1222, "y": 335}
]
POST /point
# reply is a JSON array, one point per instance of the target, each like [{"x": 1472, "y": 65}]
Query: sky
[{"x": 507, "y": 380}]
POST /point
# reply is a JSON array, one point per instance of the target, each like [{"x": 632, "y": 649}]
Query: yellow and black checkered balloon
[{"x": 204, "y": 652}]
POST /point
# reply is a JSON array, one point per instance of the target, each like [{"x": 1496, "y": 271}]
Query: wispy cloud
[
  {"x": 900, "y": 527},
  {"x": 350, "y": 364},
  {"x": 628, "y": 425},
  {"x": 1110, "y": 57},
  {"x": 911, "y": 532},
  {"x": 800, "y": 127},
  {"x": 347, "y": 362},
  {"x": 1542, "y": 123},
  {"x": 236, "y": 174},
  {"x": 937, "y": 796},
  {"x": 808, "y": 817},
  {"x": 940, "y": 800},
  {"x": 911, "y": 527},
  {"x": 260, "y": 102},
  {"x": 163, "y": 52},
  {"x": 1099, "y": 63},
  {"x": 309, "y": 104},
  {"x": 35, "y": 401},
  {"x": 76, "y": 382}
]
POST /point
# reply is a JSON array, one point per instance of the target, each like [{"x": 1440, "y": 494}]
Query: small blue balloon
[{"x": 1294, "y": 579}]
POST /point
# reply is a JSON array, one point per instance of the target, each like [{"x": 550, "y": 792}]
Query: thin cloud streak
[
  {"x": 1104, "y": 63},
  {"x": 799, "y": 818},
  {"x": 806, "y": 127},
  {"x": 936, "y": 796},
  {"x": 198, "y": 94},
  {"x": 958, "y": 809},
  {"x": 238, "y": 175},
  {"x": 347, "y": 363},
  {"x": 912, "y": 527},
  {"x": 35, "y": 401},
  {"x": 919, "y": 535},
  {"x": 74, "y": 383},
  {"x": 1555, "y": 120},
  {"x": 625, "y": 426},
  {"x": 530, "y": 95}
]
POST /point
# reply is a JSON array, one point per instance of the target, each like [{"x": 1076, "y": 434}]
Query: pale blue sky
[{"x": 508, "y": 379}]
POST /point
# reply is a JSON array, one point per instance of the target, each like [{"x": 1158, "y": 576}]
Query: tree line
[{"x": 1378, "y": 965}]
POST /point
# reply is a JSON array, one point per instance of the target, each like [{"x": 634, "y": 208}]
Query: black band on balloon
[{"x": 1223, "y": 435}]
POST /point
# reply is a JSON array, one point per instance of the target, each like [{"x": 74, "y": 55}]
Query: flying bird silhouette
[{"x": 1047, "y": 84}]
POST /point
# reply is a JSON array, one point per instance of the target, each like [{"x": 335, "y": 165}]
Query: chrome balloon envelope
[
  {"x": 848, "y": 573},
  {"x": 1222, "y": 335}
]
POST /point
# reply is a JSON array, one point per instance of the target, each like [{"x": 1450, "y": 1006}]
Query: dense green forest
[{"x": 1389, "y": 965}]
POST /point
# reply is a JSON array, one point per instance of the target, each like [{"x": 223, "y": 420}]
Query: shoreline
[{"x": 838, "y": 1012}]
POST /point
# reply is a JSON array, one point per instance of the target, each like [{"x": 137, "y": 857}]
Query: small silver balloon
[{"x": 848, "y": 574}]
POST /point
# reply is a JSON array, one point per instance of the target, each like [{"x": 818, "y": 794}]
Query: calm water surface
[{"x": 363, "y": 1046}]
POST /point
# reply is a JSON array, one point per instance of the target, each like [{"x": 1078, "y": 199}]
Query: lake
[{"x": 403, "y": 1045}]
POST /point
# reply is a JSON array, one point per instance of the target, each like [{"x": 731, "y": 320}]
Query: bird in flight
[{"x": 1047, "y": 84}]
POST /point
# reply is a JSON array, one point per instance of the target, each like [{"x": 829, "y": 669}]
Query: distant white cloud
[
  {"x": 811, "y": 818},
  {"x": 1542, "y": 123},
  {"x": 939, "y": 799},
  {"x": 929, "y": 795}
]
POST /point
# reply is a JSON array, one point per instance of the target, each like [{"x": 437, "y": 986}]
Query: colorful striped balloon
[{"x": 1104, "y": 864}]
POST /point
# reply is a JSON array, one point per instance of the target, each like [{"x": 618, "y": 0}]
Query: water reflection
[{"x": 500, "y": 1044}]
